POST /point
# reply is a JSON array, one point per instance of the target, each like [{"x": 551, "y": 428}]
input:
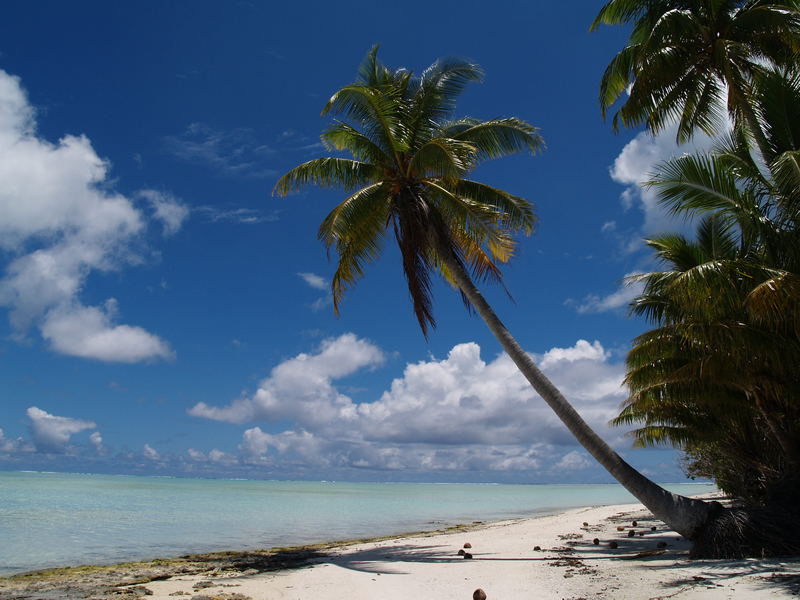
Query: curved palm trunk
[{"x": 684, "y": 515}]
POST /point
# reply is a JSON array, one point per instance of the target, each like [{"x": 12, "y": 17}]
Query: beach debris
[
  {"x": 479, "y": 594},
  {"x": 467, "y": 545},
  {"x": 537, "y": 548},
  {"x": 613, "y": 545},
  {"x": 461, "y": 552},
  {"x": 661, "y": 545},
  {"x": 467, "y": 555},
  {"x": 204, "y": 584},
  {"x": 631, "y": 533},
  {"x": 635, "y": 524},
  {"x": 596, "y": 542},
  {"x": 620, "y": 528}
]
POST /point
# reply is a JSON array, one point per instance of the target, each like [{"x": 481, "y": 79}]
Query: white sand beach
[{"x": 506, "y": 565}]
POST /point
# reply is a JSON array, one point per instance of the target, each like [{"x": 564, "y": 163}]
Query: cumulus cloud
[
  {"x": 97, "y": 441},
  {"x": 196, "y": 455},
  {"x": 573, "y": 461},
  {"x": 455, "y": 413},
  {"x": 51, "y": 433},
  {"x": 635, "y": 165},
  {"x": 301, "y": 388},
  {"x": 10, "y": 446},
  {"x": 59, "y": 222},
  {"x": 150, "y": 453},
  {"x": 90, "y": 332}
]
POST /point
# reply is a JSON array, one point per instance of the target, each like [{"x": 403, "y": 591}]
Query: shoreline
[{"x": 548, "y": 555}]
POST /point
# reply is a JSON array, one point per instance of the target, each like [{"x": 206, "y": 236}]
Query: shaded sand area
[{"x": 548, "y": 557}]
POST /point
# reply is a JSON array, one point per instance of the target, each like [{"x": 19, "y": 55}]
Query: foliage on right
[{"x": 718, "y": 376}]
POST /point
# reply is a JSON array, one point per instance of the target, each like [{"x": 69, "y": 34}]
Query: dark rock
[
  {"x": 620, "y": 528},
  {"x": 461, "y": 553},
  {"x": 479, "y": 594},
  {"x": 631, "y": 533},
  {"x": 585, "y": 524},
  {"x": 661, "y": 545},
  {"x": 653, "y": 528},
  {"x": 537, "y": 548},
  {"x": 596, "y": 542},
  {"x": 635, "y": 524},
  {"x": 641, "y": 534},
  {"x": 613, "y": 545},
  {"x": 467, "y": 545},
  {"x": 467, "y": 555}
]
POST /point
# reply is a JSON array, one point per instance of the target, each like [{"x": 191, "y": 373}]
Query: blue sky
[{"x": 163, "y": 313}]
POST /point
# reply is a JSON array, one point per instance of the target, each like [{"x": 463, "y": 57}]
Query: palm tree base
[{"x": 742, "y": 532}]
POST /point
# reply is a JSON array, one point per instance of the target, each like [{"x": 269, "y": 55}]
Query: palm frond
[
  {"x": 327, "y": 172},
  {"x": 497, "y": 137}
]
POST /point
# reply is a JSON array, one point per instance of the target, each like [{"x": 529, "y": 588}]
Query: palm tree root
[{"x": 740, "y": 532}]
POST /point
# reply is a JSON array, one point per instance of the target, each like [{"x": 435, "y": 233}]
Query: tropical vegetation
[
  {"x": 408, "y": 175},
  {"x": 718, "y": 375},
  {"x": 686, "y": 61}
]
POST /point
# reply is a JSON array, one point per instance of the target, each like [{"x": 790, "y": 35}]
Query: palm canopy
[
  {"x": 407, "y": 173},
  {"x": 683, "y": 54},
  {"x": 727, "y": 310}
]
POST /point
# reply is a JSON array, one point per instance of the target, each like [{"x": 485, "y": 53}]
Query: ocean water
[{"x": 55, "y": 519}]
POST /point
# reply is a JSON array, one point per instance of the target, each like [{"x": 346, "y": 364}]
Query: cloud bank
[
  {"x": 59, "y": 222},
  {"x": 456, "y": 413}
]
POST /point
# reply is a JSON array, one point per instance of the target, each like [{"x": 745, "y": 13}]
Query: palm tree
[
  {"x": 707, "y": 376},
  {"x": 683, "y": 54},
  {"x": 727, "y": 342},
  {"x": 408, "y": 175}
]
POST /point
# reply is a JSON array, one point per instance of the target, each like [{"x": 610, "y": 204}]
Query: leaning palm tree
[
  {"x": 688, "y": 59},
  {"x": 408, "y": 175}
]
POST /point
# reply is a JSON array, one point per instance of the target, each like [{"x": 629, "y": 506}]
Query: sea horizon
[{"x": 53, "y": 519}]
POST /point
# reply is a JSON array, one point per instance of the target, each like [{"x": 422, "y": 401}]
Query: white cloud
[
  {"x": 318, "y": 283},
  {"x": 97, "y": 441},
  {"x": 621, "y": 298},
  {"x": 315, "y": 281},
  {"x": 635, "y": 165},
  {"x": 59, "y": 222},
  {"x": 52, "y": 433},
  {"x": 196, "y": 455},
  {"x": 166, "y": 208},
  {"x": 89, "y": 332},
  {"x": 459, "y": 412},
  {"x": 221, "y": 458},
  {"x": 573, "y": 461},
  {"x": 150, "y": 453},
  {"x": 301, "y": 388},
  {"x": 9, "y": 446}
]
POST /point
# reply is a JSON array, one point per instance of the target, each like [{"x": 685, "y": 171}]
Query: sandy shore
[{"x": 505, "y": 563}]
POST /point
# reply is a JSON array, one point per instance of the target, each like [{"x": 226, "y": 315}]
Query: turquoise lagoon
[{"x": 56, "y": 519}]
